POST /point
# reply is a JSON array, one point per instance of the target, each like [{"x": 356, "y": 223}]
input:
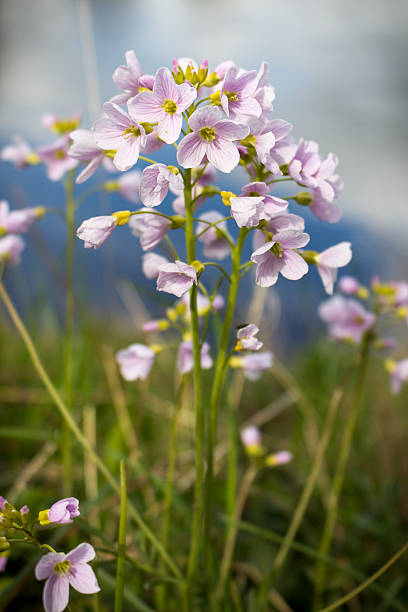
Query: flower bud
[
  {"x": 43, "y": 517},
  {"x": 198, "y": 267},
  {"x": 122, "y": 217},
  {"x": 212, "y": 79},
  {"x": 304, "y": 198},
  {"x": 111, "y": 186},
  {"x": 226, "y": 197},
  {"x": 278, "y": 459}
]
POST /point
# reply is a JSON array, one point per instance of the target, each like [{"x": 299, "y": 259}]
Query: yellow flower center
[
  {"x": 169, "y": 106},
  {"x": 131, "y": 131},
  {"x": 231, "y": 95},
  {"x": 62, "y": 567},
  {"x": 60, "y": 154},
  {"x": 207, "y": 134},
  {"x": 277, "y": 250}
]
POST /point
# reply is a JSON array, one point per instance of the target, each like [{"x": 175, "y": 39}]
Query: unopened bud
[
  {"x": 284, "y": 168},
  {"x": 216, "y": 98},
  {"x": 43, "y": 517},
  {"x": 198, "y": 267},
  {"x": 212, "y": 80},
  {"x": 278, "y": 459},
  {"x": 121, "y": 216},
  {"x": 226, "y": 197},
  {"x": 111, "y": 186},
  {"x": 177, "y": 221},
  {"x": 304, "y": 198}
]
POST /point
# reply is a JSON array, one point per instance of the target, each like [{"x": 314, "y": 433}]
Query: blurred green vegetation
[{"x": 373, "y": 512}]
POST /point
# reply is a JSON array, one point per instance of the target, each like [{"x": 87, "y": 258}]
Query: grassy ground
[{"x": 373, "y": 513}]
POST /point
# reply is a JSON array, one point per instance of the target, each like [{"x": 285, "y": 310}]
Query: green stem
[
  {"x": 219, "y": 379},
  {"x": 367, "y": 582},
  {"x": 81, "y": 438},
  {"x": 333, "y": 502},
  {"x": 66, "y": 442},
  {"x": 199, "y": 415},
  {"x": 233, "y": 530},
  {"x": 120, "y": 564}
]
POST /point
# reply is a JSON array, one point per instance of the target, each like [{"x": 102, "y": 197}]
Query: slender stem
[
  {"x": 83, "y": 441},
  {"x": 196, "y": 536},
  {"x": 338, "y": 480},
  {"x": 121, "y": 559},
  {"x": 219, "y": 379},
  {"x": 247, "y": 481},
  {"x": 66, "y": 442},
  {"x": 168, "y": 493},
  {"x": 217, "y": 265},
  {"x": 367, "y": 582}
]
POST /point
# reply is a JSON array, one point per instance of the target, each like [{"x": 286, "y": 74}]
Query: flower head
[
  {"x": 279, "y": 255},
  {"x": 347, "y": 319},
  {"x": 85, "y": 149},
  {"x": 151, "y": 264},
  {"x": 20, "y": 153},
  {"x": 56, "y": 159},
  {"x": 17, "y": 221},
  {"x": 246, "y": 338},
  {"x": 212, "y": 136},
  {"x": 176, "y": 278},
  {"x": 135, "y": 362},
  {"x": 64, "y": 510},
  {"x": 155, "y": 183},
  {"x": 185, "y": 359},
  {"x": 328, "y": 262},
  {"x": 256, "y": 363},
  {"x": 60, "y": 571},
  {"x": 237, "y": 93},
  {"x": 96, "y": 230},
  {"x": 11, "y": 247},
  {"x": 164, "y": 105},
  {"x": 150, "y": 228},
  {"x": 127, "y": 78}
]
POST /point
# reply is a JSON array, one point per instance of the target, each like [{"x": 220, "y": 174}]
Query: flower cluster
[
  {"x": 13, "y": 223},
  {"x": 360, "y": 312}
]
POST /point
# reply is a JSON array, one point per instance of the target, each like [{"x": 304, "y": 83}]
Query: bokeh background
[{"x": 340, "y": 72}]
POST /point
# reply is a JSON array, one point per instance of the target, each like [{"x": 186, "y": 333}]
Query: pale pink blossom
[
  {"x": 129, "y": 185},
  {"x": 216, "y": 245},
  {"x": 135, "y": 362},
  {"x": 278, "y": 255},
  {"x": 121, "y": 132},
  {"x": 254, "y": 364},
  {"x": 85, "y": 149},
  {"x": 347, "y": 319},
  {"x": 155, "y": 183},
  {"x": 64, "y": 510},
  {"x": 185, "y": 358},
  {"x": 247, "y": 211},
  {"x": 11, "y": 247},
  {"x": 265, "y": 93},
  {"x": 251, "y": 436},
  {"x": 328, "y": 262},
  {"x": 399, "y": 374},
  {"x": 96, "y": 230},
  {"x": 55, "y": 124},
  {"x": 238, "y": 93},
  {"x": 151, "y": 263},
  {"x": 149, "y": 228},
  {"x": 273, "y": 143},
  {"x": 16, "y": 221},
  {"x": 164, "y": 105},
  {"x": 203, "y": 304},
  {"x": 277, "y": 224},
  {"x": 127, "y": 77},
  {"x": 60, "y": 571},
  {"x": 176, "y": 278},
  {"x": 211, "y": 136},
  {"x": 246, "y": 337},
  {"x": 18, "y": 153},
  {"x": 272, "y": 206},
  {"x": 349, "y": 285},
  {"x": 56, "y": 159}
]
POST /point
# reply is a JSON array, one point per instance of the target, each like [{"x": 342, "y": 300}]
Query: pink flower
[
  {"x": 349, "y": 285},
  {"x": 60, "y": 571},
  {"x": 185, "y": 359},
  {"x": 16, "y": 221},
  {"x": 129, "y": 185},
  {"x": 277, "y": 224},
  {"x": 347, "y": 319},
  {"x": 18, "y": 153},
  {"x": 150, "y": 228},
  {"x": 135, "y": 362},
  {"x": 280, "y": 458},
  {"x": 3, "y": 502},
  {"x": 216, "y": 246},
  {"x": 328, "y": 262},
  {"x": 272, "y": 206},
  {"x": 399, "y": 374},
  {"x": 84, "y": 148},
  {"x": 58, "y": 125},
  {"x": 251, "y": 436},
  {"x": 64, "y": 510},
  {"x": 247, "y": 211},
  {"x": 11, "y": 247},
  {"x": 127, "y": 78},
  {"x": 96, "y": 230},
  {"x": 246, "y": 337},
  {"x": 117, "y": 130},
  {"x": 176, "y": 278},
  {"x": 265, "y": 93},
  {"x": 273, "y": 143},
  {"x": 155, "y": 183},
  {"x": 165, "y": 105},
  {"x": 151, "y": 263},
  {"x": 256, "y": 363},
  {"x": 322, "y": 205},
  {"x": 56, "y": 159},
  {"x": 237, "y": 94},
  {"x": 212, "y": 136},
  {"x": 278, "y": 255}
]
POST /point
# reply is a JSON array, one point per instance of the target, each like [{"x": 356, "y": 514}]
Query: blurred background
[{"x": 340, "y": 73}]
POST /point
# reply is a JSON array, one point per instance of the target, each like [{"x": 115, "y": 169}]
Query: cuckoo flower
[
  {"x": 212, "y": 136},
  {"x": 203, "y": 304},
  {"x": 322, "y": 205},
  {"x": 349, "y": 285},
  {"x": 246, "y": 338},
  {"x": 11, "y": 247},
  {"x": 176, "y": 278},
  {"x": 328, "y": 262},
  {"x": 127, "y": 78},
  {"x": 60, "y": 571},
  {"x": 129, "y": 185},
  {"x": 399, "y": 373},
  {"x": 265, "y": 93},
  {"x": 150, "y": 228},
  {"x": 165, "y": 105},
  {"x": 251, "y": 437},
  {"x": 64, "y": 510},
  {"x": 277, "y": 224},
  {"x": 237, "y": 94},
  {"x": 20, "y": 153},
  {"x": 278, "y": 255},
  {"x": 273, "y": 143},
  {"x": 56, "y": 159},
  {"x": 120, "y": 132},
  {"x": 151, "y": 263},
  {"x": 347, "y": 319},
  {"x": 256, "y": 363},
  {"x": 216, "y": 245},
  {"x": 185, "y": 359},
  {"x": 135, "y": 362},
  {"x": 85, "y": 149},
  {"x": 155, "y": 183},
  {"x": 272, "y": 206},
  {"x": 17, "y": 221},
  {"x": 247, "y": 211},
  {"x": 96, "y": 230}
]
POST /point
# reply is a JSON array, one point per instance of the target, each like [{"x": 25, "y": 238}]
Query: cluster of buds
[
  {"x": 360, "y": 313},
  {"x": 252, "y": 443}
]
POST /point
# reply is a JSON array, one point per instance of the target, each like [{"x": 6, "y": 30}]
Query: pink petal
[
  {"x": 223, "y": 154},
  {"x": 202, "y": 117},
  {"x": 191, "y": 150},
  {"x": 230, "y": 130},
  {"x": 294, "y": 266},
  {"x": 292, "y": 239},
  {"x": 145, "y": 107},
  {"x": 89, "y": 170},
  {"x": 165, "y": 87},
  {"x": 127, "y": 155},
  {"x": 267, "y": 270},
  {"x": 336, "y": 256},
  {"x": 83, "y": 553},
  {"x": 83, "y": 579},
  {"x": 170, "y": 127},
  {"x": 117, "y": 115},
  {"x": 56, "y": 593},
  {"x": 107, "y": 134},
  {"x": 46, "y": 564},
  {"x": 186, "y": 96},
  {"x": 328, "y": 276}
]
